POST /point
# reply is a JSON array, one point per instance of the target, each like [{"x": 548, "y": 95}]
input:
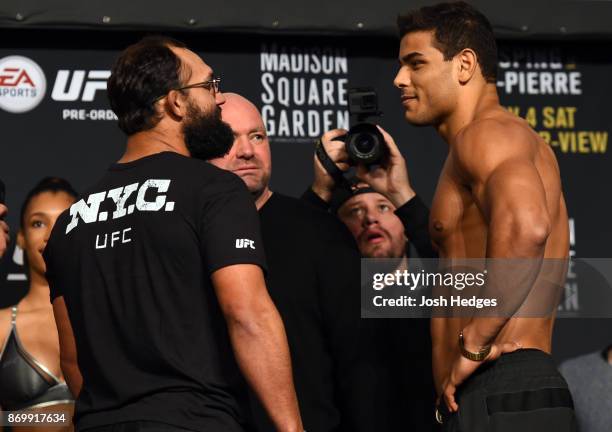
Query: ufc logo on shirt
[{"x": 244, "y": 243}]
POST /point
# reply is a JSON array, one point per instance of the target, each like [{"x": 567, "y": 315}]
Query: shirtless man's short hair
[{"x": 498, "y": 196}]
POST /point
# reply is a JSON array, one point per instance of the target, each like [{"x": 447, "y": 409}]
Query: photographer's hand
[
  {"x": 323, "y": 183},
  {"x": 4, "y": 230},
  {"x": 391, "y": 178}
]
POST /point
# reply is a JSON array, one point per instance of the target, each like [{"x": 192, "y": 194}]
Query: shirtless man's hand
[{"x": 463, "y": 368}]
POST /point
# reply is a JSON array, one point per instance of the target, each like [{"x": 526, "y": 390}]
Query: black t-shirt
[
  {"x": 133, "y": 261},
  {"x": 313, "y": 280},
  {"x": 390, "y": 377},
  {"x": 350, "y": 374}
]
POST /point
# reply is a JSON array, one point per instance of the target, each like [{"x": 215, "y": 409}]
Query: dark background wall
[{"x": 562, "y": 88}]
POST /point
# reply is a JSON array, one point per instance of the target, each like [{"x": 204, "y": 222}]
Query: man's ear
[
  {"x": 467, "y": 63},
  {"x": 176, "y": 103}
]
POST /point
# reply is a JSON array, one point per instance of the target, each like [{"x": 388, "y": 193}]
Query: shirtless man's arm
[{"x": 509, "y": 192}]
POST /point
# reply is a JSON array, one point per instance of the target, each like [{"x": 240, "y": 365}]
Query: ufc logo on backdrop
[
  {"x": 244, "y": 243},
  {"x": 69, "y": 89}
]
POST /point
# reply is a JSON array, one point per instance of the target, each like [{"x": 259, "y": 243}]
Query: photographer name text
[{"x": 424, "y": 301}]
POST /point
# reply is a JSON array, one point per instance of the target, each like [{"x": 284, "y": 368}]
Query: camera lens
[{"x": 364, "y": 143}]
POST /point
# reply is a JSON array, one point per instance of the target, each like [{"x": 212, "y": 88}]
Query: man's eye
[
  {"x": 258, "y": 137},
  {"x": 37, "y": 224},
  {"x": 416, "y": 64},
  {"x": 384, "y": 208},
  {"x": 356, "y": 211}
]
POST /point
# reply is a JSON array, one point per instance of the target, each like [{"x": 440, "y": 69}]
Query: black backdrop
[
  {"x": 558, "y": 19},
  {"x": 300, "y": 83}
]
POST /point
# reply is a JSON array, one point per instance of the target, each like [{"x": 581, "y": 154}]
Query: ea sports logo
[{"x": 22, "y": 84}]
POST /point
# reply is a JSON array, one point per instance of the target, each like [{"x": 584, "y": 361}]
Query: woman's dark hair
[
  {"x": 143, "y": 72},
  {"x": 48, "y": 184},
  {"x": 456, "y": 26}
]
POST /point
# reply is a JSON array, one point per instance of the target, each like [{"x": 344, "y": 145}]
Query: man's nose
[
  {"x": 402, "y": 78},
  {"x": 244, "y": 148},
  {"x": 370, "y": 218}
]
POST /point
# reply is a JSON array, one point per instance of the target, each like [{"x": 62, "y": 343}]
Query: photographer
[
  {"x": 389, "y": 183},
  {"x": 382, "y": 211}
]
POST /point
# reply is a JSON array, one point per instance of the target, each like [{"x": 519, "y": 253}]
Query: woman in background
[{"x": 30, "y": 374}]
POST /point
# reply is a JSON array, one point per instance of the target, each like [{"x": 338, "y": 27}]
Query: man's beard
[{"x": 206, "y": 135}]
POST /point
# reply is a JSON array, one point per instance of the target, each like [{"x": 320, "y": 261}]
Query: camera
[{"x": 364, "y": 143}]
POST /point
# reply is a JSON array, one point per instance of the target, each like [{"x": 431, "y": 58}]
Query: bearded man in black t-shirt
[{"x": 156, "y": 274}]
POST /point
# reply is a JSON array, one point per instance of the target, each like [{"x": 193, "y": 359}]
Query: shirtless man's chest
[
  {"x": 456, "y": 224},
  {"x": 458, "y": 229}
]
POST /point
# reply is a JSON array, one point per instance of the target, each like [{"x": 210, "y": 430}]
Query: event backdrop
[{"x": 55, "y": 120}]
